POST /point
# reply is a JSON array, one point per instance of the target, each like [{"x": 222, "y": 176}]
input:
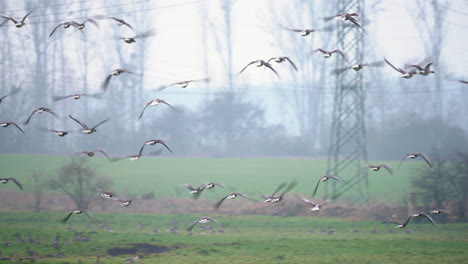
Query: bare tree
[{"x": 77, "y": 180}]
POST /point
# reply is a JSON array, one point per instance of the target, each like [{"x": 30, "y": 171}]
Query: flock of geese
[{"x": 279, "y": 194}]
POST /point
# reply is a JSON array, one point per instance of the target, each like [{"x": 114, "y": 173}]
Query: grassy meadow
[
  {"x": 246, "y": 239},
  {"x": 161, "y": 174}
]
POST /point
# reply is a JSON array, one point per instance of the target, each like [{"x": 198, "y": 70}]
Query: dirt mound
[{"x": 141, "y": 247}]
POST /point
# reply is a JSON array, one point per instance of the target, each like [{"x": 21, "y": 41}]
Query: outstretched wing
[
  {"x": 146, "y": 34},
  {"x": 189, "y": 229},
  {"x": 16, "y": 182},
  {"x": 268, "y": 65},
  {"x": 92, "y": 21},
  {"x": 19, "y": 128},
  {"x": 64, "y": 220},
  {"x": 24, "y": 18},
  {"x": 250, "y": 63},
  {"x": 102, "y": 151},
  {"x": 29, "y": 118},
  {"x": 106, "y": 82},
  {"x": 388, "y": 168},
  {"x": 79, "y": 122},
  {"x": 166, "y": 103},
  {"x": 164, "y": 144},
  {"x": 428, "y": 218},
  {"x": 53, "y": 31},
  {"x": 48, "y": 110},
  {"x": 316, "y": 187},
  {"x": 395, "y": 68},
  {"x": 292, "y": 63},
  {"x": 289, "y": 188},
  {"x": 218, "y": 204},
  {"x": 281, "y": 186},
  {"x": 426, "y": 158},
  {"x": 100, "y": 123}
]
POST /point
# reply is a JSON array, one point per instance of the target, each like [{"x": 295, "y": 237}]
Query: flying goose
[
  {"x": 230, "y": 197},
  {"x": 120, "y": 22},
  {"x": 358, "y": 67},
  {"x": 414, "y": 155},
  {"x": 345, "y": 17},
  {"x": 115, "y": 72},
  {"x": 328, "y": 54},
  {"x": 86, "y": 129},
  {"x": 6, "y": 180},
  {"x": 202, "y": 220},
  {"x": 130, "y": 40},
  {"x": 404, "y": 74},
  {"x": 378, "y": 167},
  {"x": 437, "y": 211},
  {"x": 155, "y": 102},
  {"x": 154, "y": 142},
  {"x": 136, "y": 156},
  {"x": 91, "y": 153},
  {"x": 194, "y": 191},
  {"x": 324, "y": 179},
  {"x": 8, "y": 123},
  {"x": 17, "y": 23},
  {"x": 277, "y": 199},
  {"x": 77, "y": 212},
  {"x": 124, "y": 203},
  {"x": 260, "y": 63},
  {"x": 423, "y": 70},
  {"x": 315, "y": 206},
  {"x": 107, "y": 194},
  {"x": 183, "y": 84},
  {"x": 283, "y": 59},
  {"x": 12, "y": 92},
  {"x": 76, "y": 96},
  {"x": 418, "y": 214},
  {"x": 75, "y": 24},
  {"x": 211, "y": 185},
  {"x": 306, "y": 32},
  {"x": 41, "y": 110},
  {"x": 60, "y": 133}
]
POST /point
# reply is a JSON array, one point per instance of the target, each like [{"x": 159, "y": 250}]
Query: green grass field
[
  {"x": 260, "y": 239},
  {"x": 162, "y": 175}
]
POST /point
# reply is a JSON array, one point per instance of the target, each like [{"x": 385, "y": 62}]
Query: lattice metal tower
[{"x": 347, "y": 153}]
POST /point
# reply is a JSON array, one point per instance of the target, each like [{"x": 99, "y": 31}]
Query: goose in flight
[
  {"x": 277, "y": 199},
  {"x": 86, "y": 129},
  {"x": 183, "y": 84},
  {"x": 260, "y": 63},
  {"x": 283, "y": 59},
  {"x": 152, "y": 142},
  {"x": 130, "y": 40},
  {"x": 194, "y": 191},
  {"x": 155, "y": 102},
  {"x": 404, "y": 74},
  {"x": 423, "y": 70},
  {"x": 18, "y": 23},
  {"x": 346, "y": 17},
  {"x": 414, "y": 155},
  {"x": 328, "y": 54},
  {"x": 307, "y": 31},
  {"x": 76, "y": 96},
  {"x": 8, "y": 123},
  {"x": 417, "y": 214},
  {"x": 358, "y": 67},
  {"x": 378, "y": 167},
  {"x": 41, "y": 110},
  {"x": 115, "y": 72},
  {"x": 324, "y": 179},
  {"x": 93, "y": 152},
  {"x": 75, "y": 24},
  {"x": 202, "y": 220},
  {"x": 6, "y": 180},
  {"x": 77, "y": 212},
  {"x": 315, "y": 206},
  {"x": 230, "y": 197}
]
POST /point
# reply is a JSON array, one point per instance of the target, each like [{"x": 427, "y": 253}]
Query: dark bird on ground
[
  {"x": 437, "y": 211},
  {"x": 404, "y": 74},
  {"x": 41, "y": 110},
  {"x": 283, "y": 59},
  {"x": 6, "y": 180},
  {"x": 414, "y": 155},
  {"x": 116, "y": 72},
  {"x": 260, "y": 63},
  {"x": 12, "y": 92},
  {"x": 17, "y": 23},
  {"x": 378, "y": 167},
  {"x": 358, "y": 67},
  {"x": 130, "y": 40},
  {"x": 315, "y": 206},
  {"x": 155, "y": 102},
  {"x": 306, "y": 32},
  {"x": 75, "y": 24},
  {"x": 277, "y": 199},
  {"x": 91, "y": 153},
  {"x": 183, "y": 84},
  {"x": 328, "y": 54},
  {"x": 230, "y": 197},
  {"x": 346, "y": 17},
  {"x": 86, "y": 129},
  {"x": 423, "y": 70},
  {"x": 8, "y": 123},
  {"x": 77, "y": 212},
  {"x": 203, "y": 220},
  {"x": 418, "y": 214},
  {"x": 324, "y": 179},
  {"x": 76, "y": 96},
  {"x": 152, "y": 142}
]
